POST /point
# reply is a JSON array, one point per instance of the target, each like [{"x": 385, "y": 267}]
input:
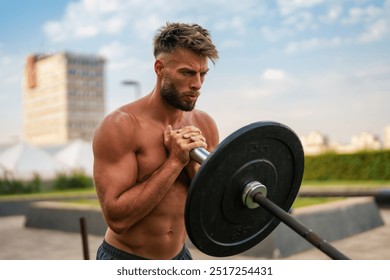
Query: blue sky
[{"x": 310, "y": 64}]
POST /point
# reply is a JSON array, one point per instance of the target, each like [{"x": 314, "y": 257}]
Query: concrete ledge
[
  {"x": 65, "y": 217},
  {"x": 20, "y": 206},
  {"x": 331, "y": 221},
  {"x": 14, "y": 208}
]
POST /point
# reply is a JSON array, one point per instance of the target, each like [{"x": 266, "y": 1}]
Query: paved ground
[
  {"x": 370, "y": 245},
  {"x": 20, "y": 243}
]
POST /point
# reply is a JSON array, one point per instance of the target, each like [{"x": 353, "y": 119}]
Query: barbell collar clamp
[{"x": 249, "y": 192}]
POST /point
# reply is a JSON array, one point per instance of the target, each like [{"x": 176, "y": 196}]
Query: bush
[
  {"x": 359, "y": 166},
  {"x": 15, "y": 186},
  {"x": 76, "y": 180}
]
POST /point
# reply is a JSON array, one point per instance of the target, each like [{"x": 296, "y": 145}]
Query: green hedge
[
  {"x": 75, "y": 180},
  {"x": 14, "y": 186},
  {"x": 359, "y": 166}
]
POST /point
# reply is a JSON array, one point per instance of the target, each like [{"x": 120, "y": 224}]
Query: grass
[
  {"x": 308, "y": 201},
  {"x": 85, "y": 201},
  {"x": 335, "y": 185},
  {"x": 299, "y": 201},
  {"x": 51, "y": 194},
  {"x": 369, "y": 184}
]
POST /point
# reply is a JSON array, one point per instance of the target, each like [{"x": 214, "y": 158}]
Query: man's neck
[{"x": 164, "y": 112}]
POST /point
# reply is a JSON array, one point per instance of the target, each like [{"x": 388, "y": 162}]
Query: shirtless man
[{"x": 142, "y": 167}]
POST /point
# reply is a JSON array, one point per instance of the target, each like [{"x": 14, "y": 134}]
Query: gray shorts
[{"x": 108, "y": 252}]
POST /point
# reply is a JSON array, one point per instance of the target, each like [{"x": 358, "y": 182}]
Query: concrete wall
[
  {"x": 16, "y": 207},
  {"x": 65, "y": 217}
]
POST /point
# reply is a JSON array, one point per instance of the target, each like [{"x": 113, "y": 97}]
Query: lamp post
[{"x": 137, "y": 86}]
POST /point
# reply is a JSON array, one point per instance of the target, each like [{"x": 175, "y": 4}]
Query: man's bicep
[{"x": 113, "y": 178}]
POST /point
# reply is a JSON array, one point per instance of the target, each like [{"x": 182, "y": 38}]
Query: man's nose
[{"x": 196, "y": 82}]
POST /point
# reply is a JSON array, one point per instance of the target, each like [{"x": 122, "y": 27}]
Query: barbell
[{"x": 244, "y": 189}]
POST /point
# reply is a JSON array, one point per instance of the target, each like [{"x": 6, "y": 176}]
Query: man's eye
[{"x": 187, "y": 73}]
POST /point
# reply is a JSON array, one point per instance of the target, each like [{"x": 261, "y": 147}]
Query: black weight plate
[{"x": 217, "y": 221}]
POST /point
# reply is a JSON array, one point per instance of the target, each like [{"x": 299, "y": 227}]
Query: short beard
[{"x": 171, "y": 95}]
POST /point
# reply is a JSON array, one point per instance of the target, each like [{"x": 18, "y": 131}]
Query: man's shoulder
[
  {"x": 201, "y": 115},
  {"x": 116, "y": 132},
  {"x": 120, "y": 116},
  {"x": 204, "y": 121},
  {"x": 119, "y": 121}
]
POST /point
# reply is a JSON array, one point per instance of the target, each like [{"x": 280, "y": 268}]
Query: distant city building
[
  {"x": 386, "y": 138},
  {"x": 366, "y": 141},
  {"x": 315, "y": 143},
  {"x": 63, "y": 97}
]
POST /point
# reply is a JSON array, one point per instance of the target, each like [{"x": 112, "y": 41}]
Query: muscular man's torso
[{"x": 161, "y": 234}]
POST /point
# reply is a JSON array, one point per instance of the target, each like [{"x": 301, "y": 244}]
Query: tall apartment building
[{"x": 63, "y": 97}]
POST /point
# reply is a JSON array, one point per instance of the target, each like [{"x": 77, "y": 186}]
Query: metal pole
[
  {"x": 136, "y": 85},
  {"x": 299, "y": 228},
  {"x": 84, "y": 238}
]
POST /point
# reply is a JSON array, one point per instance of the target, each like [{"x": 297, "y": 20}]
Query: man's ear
[{"x": 159, "y": 67}]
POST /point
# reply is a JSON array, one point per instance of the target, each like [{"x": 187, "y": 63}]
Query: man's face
[
  {"x": 184, "y": 101},
  {"x": 183, "y": 77}
]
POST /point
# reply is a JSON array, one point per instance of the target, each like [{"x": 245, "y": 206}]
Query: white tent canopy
[
  {"x": 77, "y": 155},
  {"x": 23, "y": 161}
]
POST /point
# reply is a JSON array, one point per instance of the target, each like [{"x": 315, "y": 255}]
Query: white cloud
[
  {"x": 313, "y": 43},
  {"x": 123, "y": 64},
  {"x": 86, "y": 19},
  {"x": 113, "y": 50},
  {"x": 301, "y": 27},
  {"x": 276, "y": 82},
  {"x": 118, "y": 59},
  {"x": 362, "y": 14},
  {"x": 86, "y": 31},
  {"x": 101, "y": 6},
  {"x": 333, "y": 14},
  {"x": 375, "y": 31},
  {"x": 145, "y": 27},
  {"x": 116, "y": 55},
  {"x": 230, "y": 44},
  {"x": 56, "y": 31},
  {"x": 300, "y": 21},
  {"x": 290, "y": 6},
  {"x": 235, "y": 25},
  {"x": 296, "y": 46},
  {"x": 272, "y": 82},
  {"x": 114, "y": 25},
  {"x": 369, "y": 32},
  {"x": 90, "y": 18},
  {"x": 375, "y": 22},
  {"x": 274, "y": 75},
  {"x": 274, "y": 34},
  {"x": 290, "y": 26}
]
